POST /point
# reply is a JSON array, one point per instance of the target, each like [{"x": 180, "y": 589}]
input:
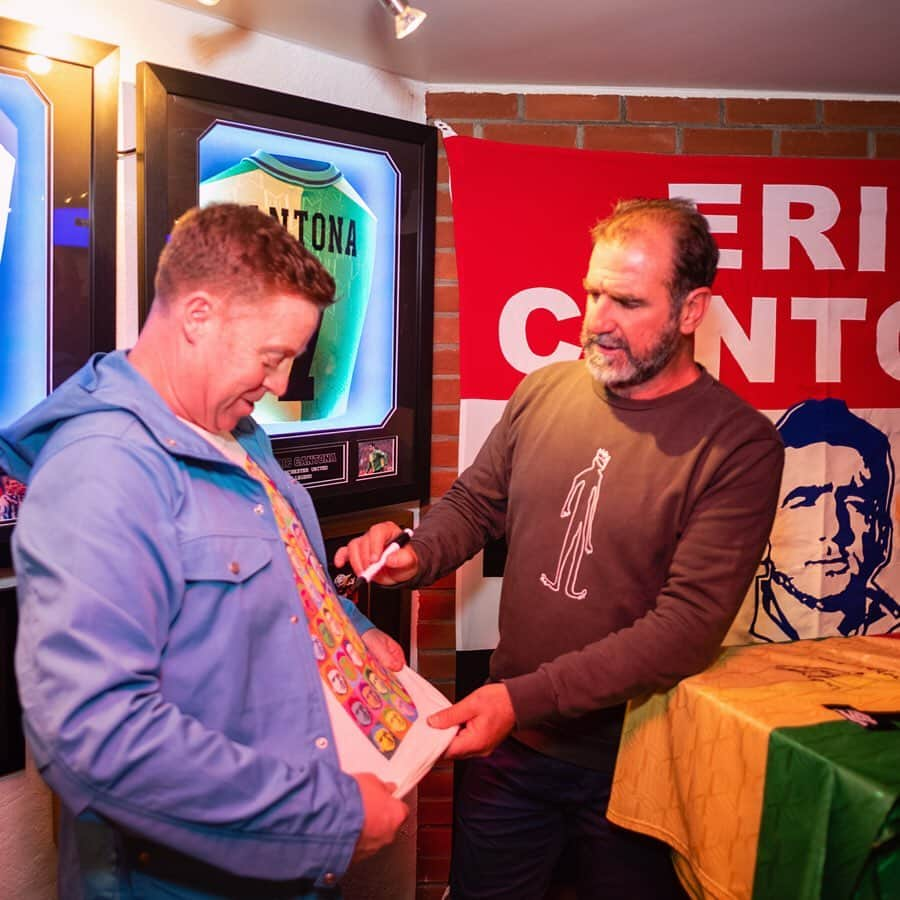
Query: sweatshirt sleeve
[
  {"x": 100, "y": 583},
  {"x": 471, "y": 514},
  {"x": 711, "y": 569}
]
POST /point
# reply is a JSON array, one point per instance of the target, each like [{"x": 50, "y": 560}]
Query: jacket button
[
  {"x": 234, "y": 567},
  {"x": 295, "y": 620},
  {"x": 322, "y": 743},
  {"x": 259, "y": 509},
  {"x": 171, "y": 442},
  {"x": 329, "y": 878}
]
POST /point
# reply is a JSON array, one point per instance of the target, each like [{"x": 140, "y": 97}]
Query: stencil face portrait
[
  {"x": 832, "y": 532},
  {"x": 834, "y": 514}
]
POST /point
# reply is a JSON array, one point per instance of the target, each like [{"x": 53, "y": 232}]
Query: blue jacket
[{"x": 164, "y": 662}]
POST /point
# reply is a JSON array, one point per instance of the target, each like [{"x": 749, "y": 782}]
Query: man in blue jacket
[{"x": 165, "y": 659}]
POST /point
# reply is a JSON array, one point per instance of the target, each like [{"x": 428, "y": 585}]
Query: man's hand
[
  {"x": 361, "y": 552},
  {"x": 383, "y": 814},
  {"x": 385, "y": 649},
  {"x": 487, "y": 716}
]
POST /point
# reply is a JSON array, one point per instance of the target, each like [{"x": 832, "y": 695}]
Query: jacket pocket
[{"x": 229, "y": 558}]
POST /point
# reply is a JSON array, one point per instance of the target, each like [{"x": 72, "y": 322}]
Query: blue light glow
[{"x": 24, "y": 306}]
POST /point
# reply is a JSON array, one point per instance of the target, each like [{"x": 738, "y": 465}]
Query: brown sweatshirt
[{"x": 634, "y": 529}]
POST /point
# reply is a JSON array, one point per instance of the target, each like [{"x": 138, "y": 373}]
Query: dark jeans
[{"x": 519, "y": 812}]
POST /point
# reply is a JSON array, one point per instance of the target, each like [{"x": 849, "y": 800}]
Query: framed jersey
[{"x": 358, "y": 190}]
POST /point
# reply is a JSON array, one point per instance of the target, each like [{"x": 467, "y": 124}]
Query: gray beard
[{"x": 640, "y": 369}]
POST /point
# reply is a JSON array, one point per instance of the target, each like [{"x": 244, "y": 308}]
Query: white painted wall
[{"x": 153, "y": 31}]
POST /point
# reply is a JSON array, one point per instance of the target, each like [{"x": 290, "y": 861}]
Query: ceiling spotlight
[
  {"x": 40, "y": 65},
  {"x": 406, "y": 18}
]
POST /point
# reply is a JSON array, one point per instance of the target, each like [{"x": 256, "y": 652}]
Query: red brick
[
  {"x": 445, "y": 421},
  {"x": 445, "y": 265},
  {"x": 441, "y": 479},
  {"x": 471, "y": 106},
  {"x": 435, "y": 812},
  {"x": 443, "y": 204},
  {"x": 436, "y": 665},
  {"x": 444, "y": 235},
  {"x": 446, "y": 329},
  {"x": 887, "y": 146},
  {"x": 671, "y": 109},
  {"x": 443, "y": 170},
  {"x": 745, "y": 141},
  {"x": 748, "y": 111},
  {"x": 446, "y": 298},
  {"x": 545, "y": 135},
  {"x": 861, "y": 112},
  {"x": 824, "y": 143},
  {"x": 445, "y": 390},
  {"x": 437, "y": 635},
  {"x": 436, "y": 605},
  {"x": 433, "y": 869},
  {"x": 632, "y": 138},
  {"x": 438, "y": 783},
  {"x": 446, "y": 361},
  {"x": 444, "y": 453},
  {"x": 572, "y": 107},
  {"x": 434, "y": 841}
]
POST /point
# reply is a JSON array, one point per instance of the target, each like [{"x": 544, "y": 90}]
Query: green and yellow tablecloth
[{"x": 760, "y": 789}]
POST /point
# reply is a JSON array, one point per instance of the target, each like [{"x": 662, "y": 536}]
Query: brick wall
[{"x": 699, "y": 125}]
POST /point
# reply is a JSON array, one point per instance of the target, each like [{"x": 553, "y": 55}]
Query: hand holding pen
[{"x": 382, "y": 555}]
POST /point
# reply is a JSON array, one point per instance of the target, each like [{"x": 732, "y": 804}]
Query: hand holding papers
[{"x": 414, "y": 755}]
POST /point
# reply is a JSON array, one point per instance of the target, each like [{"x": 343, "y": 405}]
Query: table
[{"x": 760, "y": 789}]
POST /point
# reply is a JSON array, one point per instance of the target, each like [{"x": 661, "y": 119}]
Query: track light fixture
[{"x": 406, "y": 18}]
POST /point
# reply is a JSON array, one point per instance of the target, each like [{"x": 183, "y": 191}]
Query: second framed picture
[
  {"x": 58, "y": 119},
  {"x": 358, "y": 189}
]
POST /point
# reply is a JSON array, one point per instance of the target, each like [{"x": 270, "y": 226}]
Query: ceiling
[{"x": 824, "y": 47}]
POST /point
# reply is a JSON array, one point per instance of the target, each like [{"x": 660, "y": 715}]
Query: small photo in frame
[{"x": 377, "y": 458}]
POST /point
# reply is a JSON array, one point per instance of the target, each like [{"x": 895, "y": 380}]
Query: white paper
[{"x": 416, "y": 754}]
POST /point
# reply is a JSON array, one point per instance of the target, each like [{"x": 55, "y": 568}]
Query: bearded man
[{"x": 670, "y": 538}]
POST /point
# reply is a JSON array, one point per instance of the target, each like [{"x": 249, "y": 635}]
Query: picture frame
[
  {"x": 58, "y": 223},
  {"x": 358, "y": 189}
]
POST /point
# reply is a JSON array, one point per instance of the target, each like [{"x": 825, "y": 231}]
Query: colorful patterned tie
[{"x": 370, "y": 694}]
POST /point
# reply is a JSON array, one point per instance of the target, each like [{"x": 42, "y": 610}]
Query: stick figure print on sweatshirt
[{"x": 579, "y": 508}]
